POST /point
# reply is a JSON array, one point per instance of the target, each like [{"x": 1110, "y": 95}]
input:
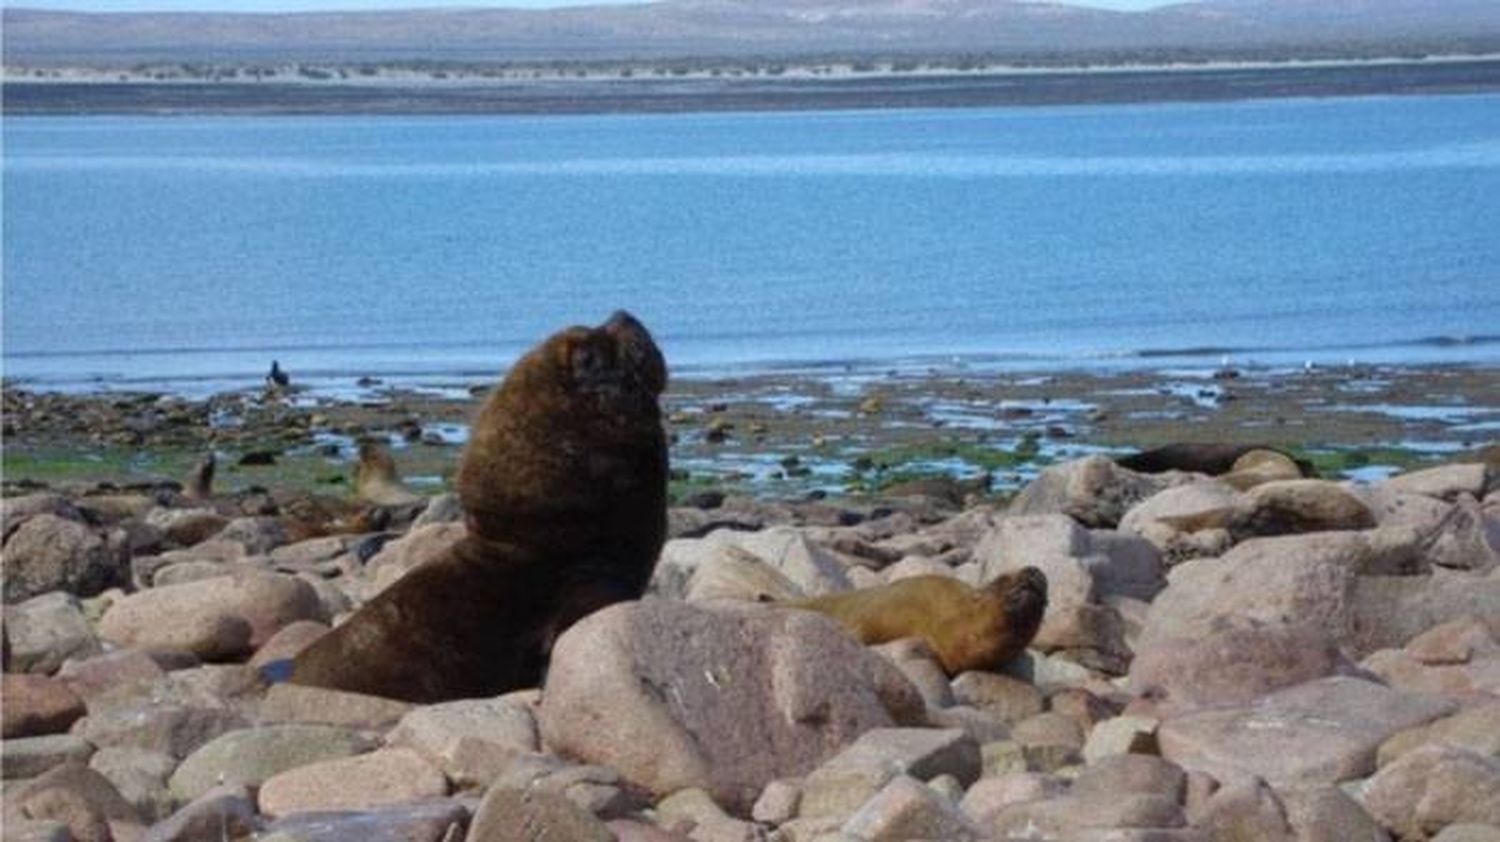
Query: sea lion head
[
  {"x": 615, "y": 360},
  {"x": 574, "y": 429},
  {"x": 200, "y": 481},
  {"x": 1023, "y": 593}
]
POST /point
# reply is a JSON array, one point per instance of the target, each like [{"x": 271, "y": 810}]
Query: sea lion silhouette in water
[
  {"x": 564, "y": 487},
  {"x": 967, "y": 628}
]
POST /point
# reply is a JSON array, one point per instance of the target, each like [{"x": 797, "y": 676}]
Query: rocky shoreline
[
  {"x": 1249, "y": 657},
  {"x": 777, "y": 435}
]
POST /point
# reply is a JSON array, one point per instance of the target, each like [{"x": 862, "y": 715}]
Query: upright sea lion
[
  {"x": 199, "y": 484},
  {"x": 1212, "y": 458},
  {"x": 376, "y": 479},
  {"x": 564, "y": 484},
  {"x": 968, "y": 628}
]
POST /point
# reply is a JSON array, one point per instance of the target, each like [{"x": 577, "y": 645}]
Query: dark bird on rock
[{"x": 277, "y": 377}]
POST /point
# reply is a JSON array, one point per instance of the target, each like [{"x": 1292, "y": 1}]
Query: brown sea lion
[
  {"x": 376, "y": 479},
  {"x": 968, "y": 628},
  {"x": 564, "y": 487},
  {"x": 199, "y": 483},
  {"x": 1212, "y": 458}
]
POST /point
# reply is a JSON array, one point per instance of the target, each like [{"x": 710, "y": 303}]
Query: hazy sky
[{"x": 306, "y": 5}]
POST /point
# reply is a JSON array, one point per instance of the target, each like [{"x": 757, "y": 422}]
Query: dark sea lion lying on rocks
[
  {"x": 564, "y": 487},
  {"x": 1210, "y": 458},
  {"x": 968, "y": 628}
]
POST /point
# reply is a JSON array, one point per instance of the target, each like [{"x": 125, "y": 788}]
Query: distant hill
[{"x": 705, "y": 28}]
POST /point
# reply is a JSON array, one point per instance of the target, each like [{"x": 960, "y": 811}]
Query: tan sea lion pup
[
  {"x": 199, "y": 484},
  {"x": 564, "y": 485},
  {"x": 968, "y": 628},
  {"x": 376, "y": 480}
]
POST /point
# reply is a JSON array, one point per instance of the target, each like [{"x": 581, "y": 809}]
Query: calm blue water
[{"x": 193, "y": 250}]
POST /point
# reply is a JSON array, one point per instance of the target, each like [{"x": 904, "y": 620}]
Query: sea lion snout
[
  {"x": 637, "y": 350},
  {"x": 1025, "y": 594}
]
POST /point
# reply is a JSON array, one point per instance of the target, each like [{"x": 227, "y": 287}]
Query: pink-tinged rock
[
  {"x": 1398, "y": 508},
  {"x": 387, "y": 776},
  {"x": 300, "y": 703},
  {"x": 727, "y": 562},
  {"x": 1325, "y": 581},
  {"x": 777, "y": 803},
  {"x": 1093, "y": 491},
  {"x": 510, "y": 815},
  {"x": 917, "y": 662},
  {"x": 216, "y": 618},
  {"x": 726, "y": 699},
  {"x": 15, "y": 510},
  {"x": 627, "y": 830},
  {"x": 224, "y": 812},
  {"x": 310, "y": 553},
  {"x": 908, "y": 809},
  {"x": 1317, "y": 733},
  {"x": 170, "y": 728},
  {"x": 1468, "y": 833},
  {"x": 471, "y": 740},
  {"x": 76, "y": 796},
  {"x": 1327, "y": 814},
  {"x": 1069, "y": 817},
  {"x": 1168, "y": 518},
  {"x": 18, "y": 829},
  {"x": 1399, "y": 669},
  {"x": 1445, "y": 482},
  {"x": 1455, "y": 642},
  {"x": 1432, "y": 787},
  {"x": 420, "y": 545},
  {"x": 47, "y": 630},
  {"x": 27, "y": 757},
  {"x": 33, "y": 705},
  {"x": 1120, "y": 736},
  {"x": 1464, "y": 539},
  {"x": 1232, "y": 664},
  {"x": 420, "y": 821},
  {"x": 1387, "y": 612},
  {"x": 1246, "y": 809},
  {"x": 732, "y": 573},
  {"x": 1303, "y": 505},
  {"x": 1138, "y": 774},
  {"x": 109, "y": 674},
  {"x": 1124, "y": 565},
  {"x": 1060, "y": 548},
  {"x": 140, "y": 776},
  {"x": 696, "y": 810},
  {"x": 855, "y": 774},
  {"x": 1007, "y": 698},
  {"x": 1083, "y": 707},
  {"x": 1474, "y": 728},
  {"x": 993, "y": 793},
  {"x": 48, "y": 553},
  {"x": 251, "y": 756},
  {"x": 288, "y": 641},
  {"x": 257, "y": 535},
  {"x": 186, "y": 527}
]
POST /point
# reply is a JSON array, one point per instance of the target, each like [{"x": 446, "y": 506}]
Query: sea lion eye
[{"x": 589, "y": 363}]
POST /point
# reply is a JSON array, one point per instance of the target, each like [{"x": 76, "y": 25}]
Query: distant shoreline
[{"x": 98, "y": 92}]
